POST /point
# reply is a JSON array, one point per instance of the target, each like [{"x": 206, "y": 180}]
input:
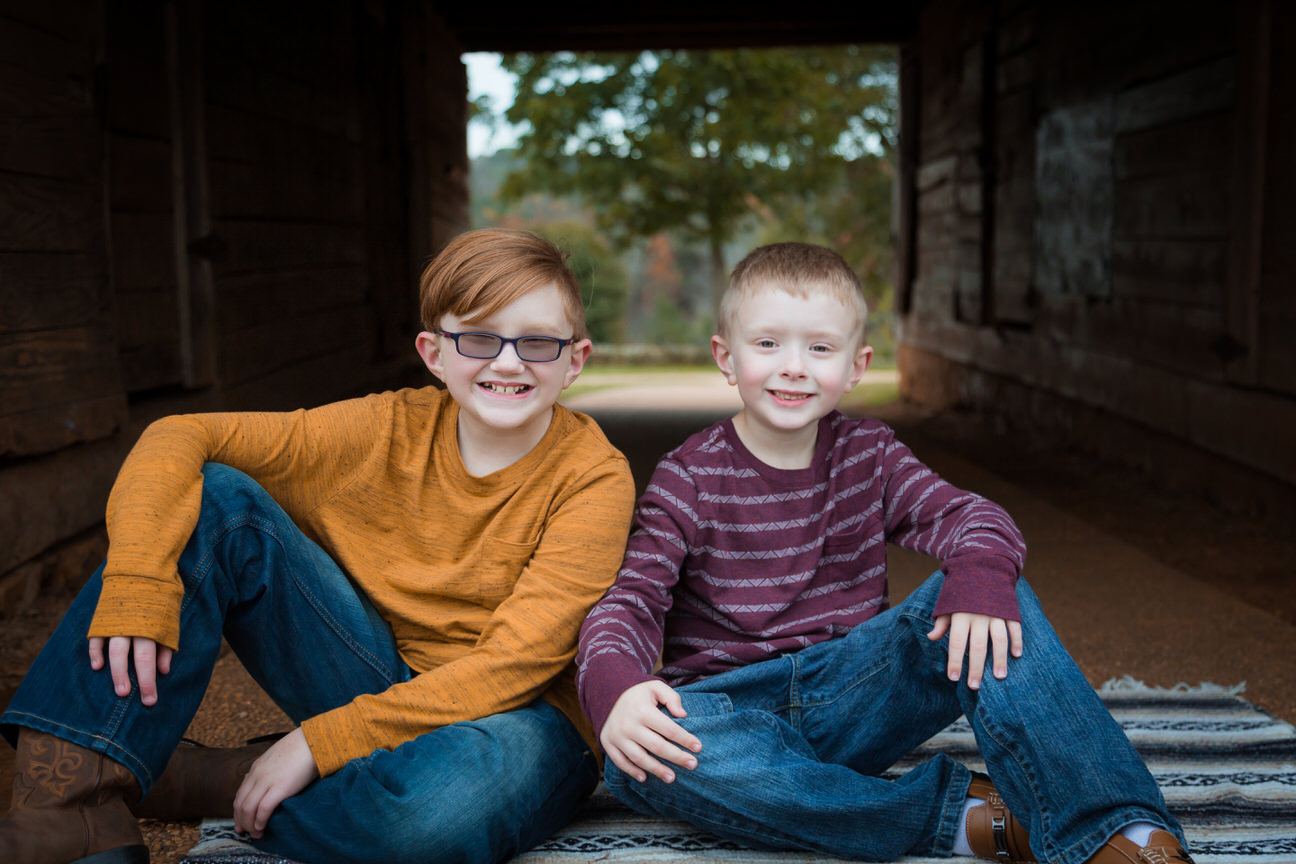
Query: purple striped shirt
[{"x": 732, "y": 561}]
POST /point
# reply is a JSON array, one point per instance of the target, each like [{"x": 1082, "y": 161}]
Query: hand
[
  {"x": 279, "y": 773},
  {"x": 636, "y": 731},
  {"x": 151, "y": 659},
  {"x": 972, "y": 632}
]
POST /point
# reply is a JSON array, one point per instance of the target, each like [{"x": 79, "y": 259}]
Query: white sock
[
  {"x": 961, "y": 846},
  {"x": 1139, "y": 832}
]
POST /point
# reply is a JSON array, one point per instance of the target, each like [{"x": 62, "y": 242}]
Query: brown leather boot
[
  {"x": 68, "y": 805},
  {"x": 200, "y": 781},
  {"x": 1162, "y": 848},
  {"x": 992, "y": 831}
]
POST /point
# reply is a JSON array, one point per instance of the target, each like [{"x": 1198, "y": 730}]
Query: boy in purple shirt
[{"x": 757, "y": 573}]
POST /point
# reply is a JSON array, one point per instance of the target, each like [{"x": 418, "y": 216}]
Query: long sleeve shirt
[
  {"x": 732, "y": 561},
  {"x": 484, "y": 580}
]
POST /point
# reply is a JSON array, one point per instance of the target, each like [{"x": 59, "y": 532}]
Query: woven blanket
[{"x": 1227, "y": 769}]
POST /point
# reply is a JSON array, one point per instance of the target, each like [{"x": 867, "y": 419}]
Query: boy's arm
[
  {"x": 298, "y": 457},
  {"x": 980, "y": 549},
  {"x": 621, "y": 640},
  {"x": 527, "y": 642}
]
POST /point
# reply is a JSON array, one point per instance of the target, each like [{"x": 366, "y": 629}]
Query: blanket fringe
[{"x": 1130, "y": 684}]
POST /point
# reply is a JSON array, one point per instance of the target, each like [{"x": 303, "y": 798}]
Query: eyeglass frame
[{"x": 505, "y": 340}]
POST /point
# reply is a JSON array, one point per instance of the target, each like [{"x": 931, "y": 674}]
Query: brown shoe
[
  {"x": 993, "y": 832},
  {"x": 68, "y": 805},
  {"x": 200, "y": 781},
  {"x": 1162, "y": 848}
]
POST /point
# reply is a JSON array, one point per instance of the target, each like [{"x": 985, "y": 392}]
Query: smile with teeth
[
  {"x": 504, "y": 389},
  {"x": 789, "y": 396}
]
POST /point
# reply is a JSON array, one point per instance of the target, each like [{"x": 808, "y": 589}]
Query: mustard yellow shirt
[{"x": 484, "y": 580}]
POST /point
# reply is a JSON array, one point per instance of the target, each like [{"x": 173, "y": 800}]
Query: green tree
[{"x": 695, "y": 143}]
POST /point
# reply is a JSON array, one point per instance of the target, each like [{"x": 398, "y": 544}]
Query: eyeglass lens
[{"x": 484, "y": 346}]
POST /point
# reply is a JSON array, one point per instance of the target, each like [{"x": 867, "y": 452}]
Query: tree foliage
[{"x": 697, "y": 143}]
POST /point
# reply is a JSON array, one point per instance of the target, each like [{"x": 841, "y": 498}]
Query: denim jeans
[
  {"x": 792, "y": 747},
  {"x": 476, "y": 791}
]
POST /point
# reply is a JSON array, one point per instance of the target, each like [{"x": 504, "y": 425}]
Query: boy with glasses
[
  {"x": 786, "y": 687},
  {"x": 405, "y": 574}
]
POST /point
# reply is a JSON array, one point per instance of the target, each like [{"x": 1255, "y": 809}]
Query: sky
[{"x": 486, "y": 77}]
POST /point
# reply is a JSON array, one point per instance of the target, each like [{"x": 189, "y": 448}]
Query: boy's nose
[{"x": 507, "y": 358}]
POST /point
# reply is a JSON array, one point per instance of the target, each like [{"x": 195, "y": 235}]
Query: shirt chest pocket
[
  {"x": 847, "y": 554},
  {"x": 499, "y": 565}
]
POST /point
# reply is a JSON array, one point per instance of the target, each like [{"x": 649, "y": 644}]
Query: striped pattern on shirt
[{"x": 732, "y": 561}]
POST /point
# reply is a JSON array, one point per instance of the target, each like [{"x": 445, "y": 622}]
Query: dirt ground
[{"x": 1242, "y": 555}]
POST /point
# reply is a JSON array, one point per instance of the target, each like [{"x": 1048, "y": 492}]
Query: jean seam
[{"x": 268, "y": 528}]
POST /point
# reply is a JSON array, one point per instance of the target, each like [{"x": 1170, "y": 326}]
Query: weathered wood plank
[
  {"x": 36, "y": 50},
  {"x": 147, "y": 316},
  {"x": 42, "y": 215},
  {"x": 45, "y": 291},
  {"x": 50, "y": 367},
  {"x": 1201, "y": 90},
  {"x": 53, "y": 427},
  {"x": 249, "y": 247},
  {"x": 35, "y": 506},
  {"x": 315, "y": 380},
  {"x": 140, "y": 174},
  {"x": 1189, "y": 205},
  {"x": 1190, "y": 272},
  {"x": 72, "y": 20},
  {"x": 264, "y": 298},
  {"x": 273, "y": 190},
  {"x": 261, "y": 350},
  {"x": 144, "y": 245},
  {"x": 63, "y": 146},
  {"x": 1192, "y": 146},
  {"x": 150, "y": 366}
]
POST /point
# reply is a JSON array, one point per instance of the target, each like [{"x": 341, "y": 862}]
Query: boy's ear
[
  {"x": 426, "y": 345},
  {"x": 580, "y": 352},
  {"x": 723, "y": 359},
  {"x": 861, "y": 364}
]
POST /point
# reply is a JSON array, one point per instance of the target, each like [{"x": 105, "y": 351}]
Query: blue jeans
[
  {"x": 792, "y": 747},
  {"x": 475, "y": 791}
]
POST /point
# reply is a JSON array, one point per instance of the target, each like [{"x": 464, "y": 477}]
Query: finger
[
  {"x": 999, "y": 644},
  {"x": 1015, "y": 636},
  {"x": 664, "y": 748},
  {"x": 668, "y": 696},
  {"x": 619, "y": 759},
  {"x": 672, "y": 731},
  {"x": 938, "y": 630},
  {"x": 977, "y": 640},
  {"x": 643, "y": 760},
  {"x": 958, "y": 644},
  {"x": 118, "y": 658},
  {"x": 266, "y": 807},
  {"x": 96, "y": 652},
  {"x": 164, "y": 660},
  {"x": 145, "y": 651}
]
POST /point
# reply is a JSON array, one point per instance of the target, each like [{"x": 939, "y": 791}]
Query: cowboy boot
[
  {"x": 992, "y": 831},
  {"x": 200, "y": 781},
  {"x": 68, "y": 806},
  {"x": 1162, "y": 848}
]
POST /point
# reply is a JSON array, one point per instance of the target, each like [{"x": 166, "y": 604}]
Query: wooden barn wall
[
  {"x": 1101, "y": 240},
  {"x": 203, "y": 206}
]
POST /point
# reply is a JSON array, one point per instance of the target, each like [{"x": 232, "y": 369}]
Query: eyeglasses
[{"x": 487, "y": 346}]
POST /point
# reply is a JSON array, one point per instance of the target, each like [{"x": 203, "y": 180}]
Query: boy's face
[
  {"x": 505, "y": 394},
  {"x": 792, "y": 358}
]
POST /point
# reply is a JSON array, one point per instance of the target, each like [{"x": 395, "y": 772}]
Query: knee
[{"x": 229, "y": 489}]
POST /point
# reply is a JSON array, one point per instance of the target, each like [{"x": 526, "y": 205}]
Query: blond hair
[
  {"x": 800, "y": 269},
  {"x": 485, "y": 270}
]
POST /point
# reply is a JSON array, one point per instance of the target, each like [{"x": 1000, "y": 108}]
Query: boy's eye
[
  {"x": 765, "y": 343},
  {"x": 821, "y": 349}
]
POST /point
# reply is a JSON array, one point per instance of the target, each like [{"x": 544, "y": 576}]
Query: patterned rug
[{"x": 1227, "y": 769}]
